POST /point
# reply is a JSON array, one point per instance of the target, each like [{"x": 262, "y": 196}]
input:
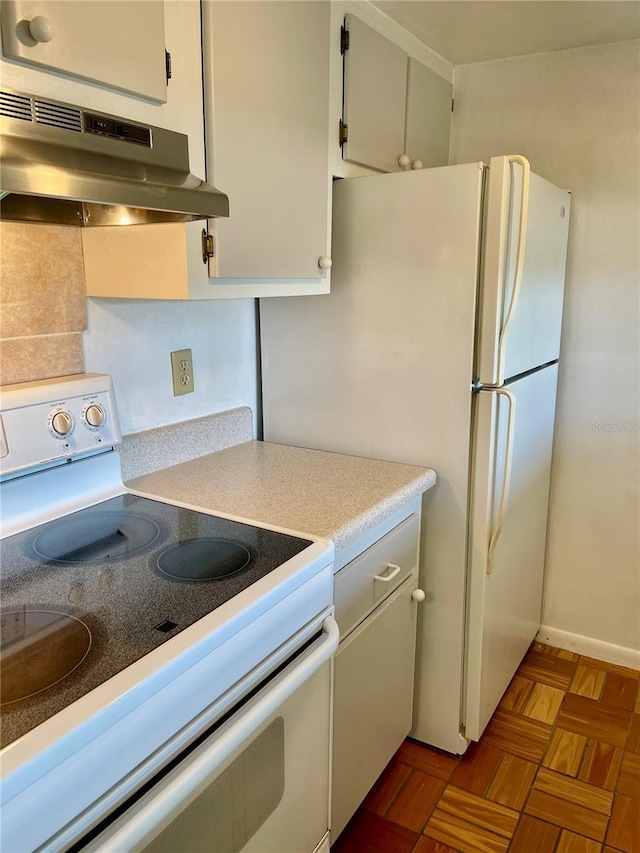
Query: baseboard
[{"x": 587, "y": 646}]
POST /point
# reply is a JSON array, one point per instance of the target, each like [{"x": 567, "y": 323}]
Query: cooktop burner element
[
  {"x": 96, "y": 537},
  {"x": 204, "y": 559},
  {"x": 38, "y": 648}
]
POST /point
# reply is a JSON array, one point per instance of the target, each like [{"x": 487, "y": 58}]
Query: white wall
[
  {"x": 131, "y": 339},
  {"x": 575, "y": 114}
]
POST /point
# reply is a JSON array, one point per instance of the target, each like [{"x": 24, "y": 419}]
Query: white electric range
[{"x": 165, "y": 676}]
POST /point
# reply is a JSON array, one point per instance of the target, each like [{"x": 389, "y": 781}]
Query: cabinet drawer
[{"x": 356, "y": 590}]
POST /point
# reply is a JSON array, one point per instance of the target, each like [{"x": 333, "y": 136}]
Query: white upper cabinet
[
  {"x": 266, "y": 103},
  {"x": 375, "y": 83},
  {"x": 396, "y": 112},
  {"x": 428, "y": 118},
  {"x": 267, "y": 119},
  {"x": 121, "y": 46}
]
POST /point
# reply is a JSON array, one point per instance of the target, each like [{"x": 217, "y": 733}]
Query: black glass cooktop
[{"x": 86, "y": 596}]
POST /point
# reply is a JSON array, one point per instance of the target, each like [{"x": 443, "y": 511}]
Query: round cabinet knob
[
  {"x": 41, "y": 29},
  {"x": 403, "y": 161},
  {"x": 324, "y": 262},
  {"x": 417, "y": 164},
  {"x": 94, "y": 416},
  {"x": 418, "y": 595},
  {"x": 62, "y": 423}
]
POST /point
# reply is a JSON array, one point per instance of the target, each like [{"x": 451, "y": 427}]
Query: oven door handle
[{"x": 151, "y": 812}]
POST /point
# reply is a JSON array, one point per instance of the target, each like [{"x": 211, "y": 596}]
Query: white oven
[
  {"x": 194, "y": 711},
  {"x": 257, "y": 781}
]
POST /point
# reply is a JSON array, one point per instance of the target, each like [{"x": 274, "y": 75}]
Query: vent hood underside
[{"x": 65, "y": 165}]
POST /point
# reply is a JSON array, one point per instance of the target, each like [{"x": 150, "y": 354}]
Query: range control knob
[
  {"x": 94, "y": 416},
  {"x": 62, "y": 423}
]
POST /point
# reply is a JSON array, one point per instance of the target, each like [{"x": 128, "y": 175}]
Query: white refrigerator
[{"x": 438, "y": 346}]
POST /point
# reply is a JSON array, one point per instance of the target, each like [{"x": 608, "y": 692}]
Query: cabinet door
[
  {"x": 373, "y": 696},
  {"x": 428, "y": 116},
  {"x": 375, "y": 82},
  {"x": 267, "y": 128},
  {"x": 119, "y": 45}
]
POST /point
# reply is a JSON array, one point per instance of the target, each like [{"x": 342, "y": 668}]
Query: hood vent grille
[
  {"x": 13, "y": 105},
  {"x": 24, "y": 108},
  {"x": 58, "y": 115}
]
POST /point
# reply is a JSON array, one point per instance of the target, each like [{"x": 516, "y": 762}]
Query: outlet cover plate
[{"x": 182, "y": 372}]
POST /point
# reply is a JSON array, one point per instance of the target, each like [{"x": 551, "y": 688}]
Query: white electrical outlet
[{"x": 182, "y": 372}]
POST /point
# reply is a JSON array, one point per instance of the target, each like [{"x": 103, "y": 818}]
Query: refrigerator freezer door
[
  {"x": 533, "y": 334},
  {"x": 504, "y": 599}
]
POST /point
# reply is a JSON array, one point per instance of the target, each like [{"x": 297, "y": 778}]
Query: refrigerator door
[
  {"x": 511, "y": 462},
  {"x": 519, "y": 328}
]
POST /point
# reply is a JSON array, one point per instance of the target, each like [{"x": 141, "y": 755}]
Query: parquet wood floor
[{"x": 556, "y": 771}]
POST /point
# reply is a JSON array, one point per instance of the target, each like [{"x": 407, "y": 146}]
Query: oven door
[{"x": 257, "y": 781}]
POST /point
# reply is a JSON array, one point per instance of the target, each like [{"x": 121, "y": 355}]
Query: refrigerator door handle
[
  {"x": 506, "y": 479},
  {"x": 522, "y": 241}
]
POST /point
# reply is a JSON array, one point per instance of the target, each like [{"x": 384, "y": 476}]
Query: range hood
[{"x": 66, "y": 165}]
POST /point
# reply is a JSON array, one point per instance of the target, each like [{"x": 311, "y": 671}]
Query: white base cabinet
[{"x": 374, "y": 665}]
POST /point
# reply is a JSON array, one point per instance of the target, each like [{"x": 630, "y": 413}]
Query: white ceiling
[{"x": 464, "y": 31}]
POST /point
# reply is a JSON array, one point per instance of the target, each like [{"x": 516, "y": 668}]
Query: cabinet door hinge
[
  {"x": 452, "y": 103},
  {"x": 167, "y": 65},
  {"x": 344, "y": 39},
  {"x": 208, "y": 246},
  {"x": 343, "y": 133}
]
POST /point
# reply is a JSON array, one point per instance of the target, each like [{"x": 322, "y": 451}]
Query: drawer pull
[{"x": 386, "y": 578}]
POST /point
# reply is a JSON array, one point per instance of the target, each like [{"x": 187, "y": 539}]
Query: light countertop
[{"x": 322, "y": 494}]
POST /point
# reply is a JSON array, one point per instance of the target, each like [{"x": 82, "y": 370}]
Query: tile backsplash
[{"x": 42, "y": 302}]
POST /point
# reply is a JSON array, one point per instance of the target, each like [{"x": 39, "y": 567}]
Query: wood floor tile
[
  {"x": 592, "y": 719},
  {"x": 609, "y": 667},
  {"x": 430, "y": 761},
  {"x": 629, "y": 778},
  {"x": 512, "y": 782},
  {"x": 565, "y": 752},
  {"x": 547, "y": 669},
  {"x": 572, "y": 843},
  {"x": 476, "y": 768},
  {"x": 373, "y": 833},
  {"x": 544, "y": 703},
  {"x": 633, "y": 740},
  {"x": 463, "y": 836},
  {"x": 416, "y": 800},
  {"x": 430, "y": 845},
  {"x": 573, "y": 791},
  {"x": 386, "y": 788},
  {"x": 567, "y": 815},
  {"x": 477, "y": 811},
  {"x": 588, "y": 682},
  {"x": 534, "y": 836},
  {"x": 520, "y": 736},
  {"x": 517, "y": 694},
  {"x": 624, "y": 826},
  {"x": 620, "y": 691},
  {"x": 601, "y": 764}
]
